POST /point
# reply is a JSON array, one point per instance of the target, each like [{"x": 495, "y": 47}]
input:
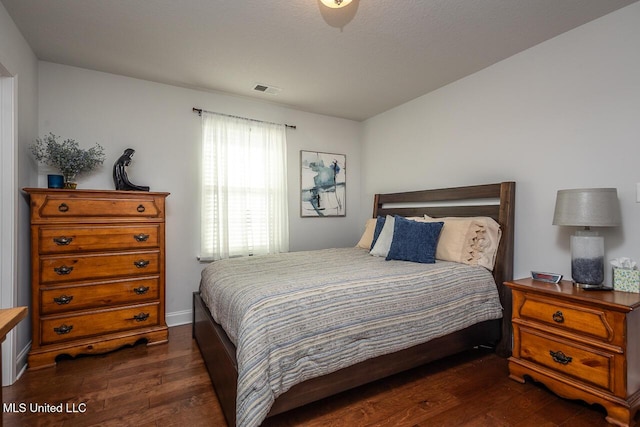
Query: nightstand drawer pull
[
  {"x": 62, "y": 240},
  {"x": 140, "y": 208},
  {"x": 558, "y": 317},
  {"x": 63, "y": 207},
  {"x": 63, "y": 329},
  {"x": 141, "y": 237},
  {"x": 141, "y": 317},
  {"x": 63, "y": 271},
  {"x": 63, "y": 299},
  {"x": 141, "y": 290},
  {"x": 141, "y": 264},
  {"x": 560, "y": 357}
]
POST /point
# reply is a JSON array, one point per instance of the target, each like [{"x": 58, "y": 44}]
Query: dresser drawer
[
  {"x": 573, "y": 318},
  {"x": 55, "y": 269},
  {"x": 64, "y": 299},
  {"x": 574, "y": 360},
  {"x": 64, "y": 239},
  {"x": 53, "y": 206},
  {"x": 72, "y": 327}
]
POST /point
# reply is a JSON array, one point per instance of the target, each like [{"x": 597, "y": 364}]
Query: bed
[{"x": 227, "y": 365}]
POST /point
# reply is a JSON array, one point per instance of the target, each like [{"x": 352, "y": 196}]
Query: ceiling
[{"x": 354, "y": 62}]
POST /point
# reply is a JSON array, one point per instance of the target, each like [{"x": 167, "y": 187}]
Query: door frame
[{"x": 8, "y": 215}]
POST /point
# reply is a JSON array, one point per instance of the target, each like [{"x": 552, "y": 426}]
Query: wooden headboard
[{"x": 493, "y": 200}]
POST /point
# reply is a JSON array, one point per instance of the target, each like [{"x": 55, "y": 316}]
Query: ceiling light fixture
[{"x": 335, "y": 4}]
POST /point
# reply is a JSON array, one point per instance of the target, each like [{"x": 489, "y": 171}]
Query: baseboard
[
  {"x": 178, "y": 318},
  {"x": 21, "y": 361}
]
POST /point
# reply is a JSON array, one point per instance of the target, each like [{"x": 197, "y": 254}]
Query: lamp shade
[{"x": 588, "y": 207}]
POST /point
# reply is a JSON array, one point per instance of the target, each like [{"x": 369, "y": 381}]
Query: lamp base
[
  {"x": 589, "y": 287},
  {"x": 587, "y": 258}
]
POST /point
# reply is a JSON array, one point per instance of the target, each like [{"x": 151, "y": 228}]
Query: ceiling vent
[{"x": 271, "y": 90}]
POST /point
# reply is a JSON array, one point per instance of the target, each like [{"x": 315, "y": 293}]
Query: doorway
[{"x": 8, "y": 216}]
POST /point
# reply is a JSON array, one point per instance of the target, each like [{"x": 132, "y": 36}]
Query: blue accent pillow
[
  {"x": 414, "y": 241},
  {"x": 376, "y": 233}
]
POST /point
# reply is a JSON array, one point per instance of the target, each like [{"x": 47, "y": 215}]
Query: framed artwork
[{"x": 323, "y": 184}]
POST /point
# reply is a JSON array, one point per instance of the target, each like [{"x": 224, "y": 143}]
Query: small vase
[
  {"x": 70, "y": 181},
  {"x": 55, "y": 181}
]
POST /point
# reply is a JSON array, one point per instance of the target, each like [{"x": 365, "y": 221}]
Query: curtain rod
[{"x": 200, "y": 110}]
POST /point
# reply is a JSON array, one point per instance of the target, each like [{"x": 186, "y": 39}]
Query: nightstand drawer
[
  {"x": 574, "y": 318},
  {"x": 85, "y": 239},
  {"x": 68, "y": 328},
  {"x": 64, "y": 299},
  {"x": 582, "y": 363},
  {"x": 98, "y": 266}
]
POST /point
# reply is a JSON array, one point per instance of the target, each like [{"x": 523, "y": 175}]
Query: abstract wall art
[{"x": 323, "y": 184}]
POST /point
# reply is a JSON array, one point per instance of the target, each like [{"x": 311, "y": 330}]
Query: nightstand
[{"x": 580, "y": 344}]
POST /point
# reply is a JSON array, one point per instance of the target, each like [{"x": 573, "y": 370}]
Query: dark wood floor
[{"x": 168, "y": 385}]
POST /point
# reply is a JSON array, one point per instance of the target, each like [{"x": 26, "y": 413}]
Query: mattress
[{"x": 300, "y": 315}]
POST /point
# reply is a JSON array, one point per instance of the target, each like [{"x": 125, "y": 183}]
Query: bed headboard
[{"x": 493, "y": 200}]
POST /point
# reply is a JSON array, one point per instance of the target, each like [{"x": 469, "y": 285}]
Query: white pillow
[{"x": 381, "y": 248}]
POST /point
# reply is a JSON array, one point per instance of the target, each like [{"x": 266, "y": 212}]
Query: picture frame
[{"x": 323, "y": 184}]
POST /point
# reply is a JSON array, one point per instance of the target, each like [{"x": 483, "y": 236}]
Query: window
[{"x": 244, "y": 187}]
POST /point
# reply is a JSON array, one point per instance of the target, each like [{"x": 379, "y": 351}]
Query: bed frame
[{"x": 493, "y": 200}]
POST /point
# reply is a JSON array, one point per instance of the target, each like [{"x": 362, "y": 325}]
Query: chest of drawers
[
  {"x": 98, "y": 271},
  {"x": 580, "y": 344}
]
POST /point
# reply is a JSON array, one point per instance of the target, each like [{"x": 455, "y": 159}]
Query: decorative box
[{"x": 626, "y": 279}]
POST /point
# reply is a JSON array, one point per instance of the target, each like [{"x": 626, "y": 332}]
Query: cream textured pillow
[
  {"x": 487, "y": 244},
  {"x": 367, "y": 236},
  {"x": 472, "y": 240}
]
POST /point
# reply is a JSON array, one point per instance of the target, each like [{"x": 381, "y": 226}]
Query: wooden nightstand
[{"x": 580, "y": 344}]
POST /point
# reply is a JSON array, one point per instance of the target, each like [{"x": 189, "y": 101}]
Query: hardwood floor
[{"x": 168, "y": 385}]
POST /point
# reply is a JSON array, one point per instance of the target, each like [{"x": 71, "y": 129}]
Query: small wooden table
[
  {"x": 580, "y": 344},
  {"x": 9, "y": 318}
]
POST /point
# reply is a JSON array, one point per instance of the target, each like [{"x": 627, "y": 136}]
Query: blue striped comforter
[{"x": 300, "y": 315}]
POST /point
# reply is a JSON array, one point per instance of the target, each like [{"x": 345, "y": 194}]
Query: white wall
[
  {"x": 157, "y": 121},
  {"x": 18, "y": 60},
  {"x": 563, "y": 114}
]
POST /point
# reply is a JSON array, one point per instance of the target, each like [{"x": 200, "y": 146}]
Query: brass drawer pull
[
  {"x": 63, "y": 329},
  {"x": 558, "y": 317},
  {"x": 141, "y": 317},
  {"x": 63, "y": 207},
  {"x": 141, "y": 290},
  {"x": 141, "y": 237},
  {"x": 63, "y": 271},
  {"x": 141, "y": 264},
  {"x": 63, "y": 299},
  {"x": 560, "y": 357},
  {"x": 62, "y": 240},
  {"x": 140, "y": 208}
]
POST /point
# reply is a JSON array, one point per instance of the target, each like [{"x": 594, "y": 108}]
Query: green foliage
[{"x": 67, "y": 156}]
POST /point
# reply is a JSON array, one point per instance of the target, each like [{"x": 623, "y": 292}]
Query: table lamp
[{"x": 587, "y": 207}]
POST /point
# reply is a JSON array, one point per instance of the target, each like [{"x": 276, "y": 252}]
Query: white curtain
[{"x": 244, "y": 187}]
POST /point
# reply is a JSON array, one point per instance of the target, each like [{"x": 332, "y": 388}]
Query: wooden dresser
[
  {"x": 98, "y": 271},
  {"x": 580, "y": 344}
]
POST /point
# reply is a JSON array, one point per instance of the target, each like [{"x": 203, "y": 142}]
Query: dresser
[
  {"x": 580, "y": 344},
  {"x": 98, "y": 271}
]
